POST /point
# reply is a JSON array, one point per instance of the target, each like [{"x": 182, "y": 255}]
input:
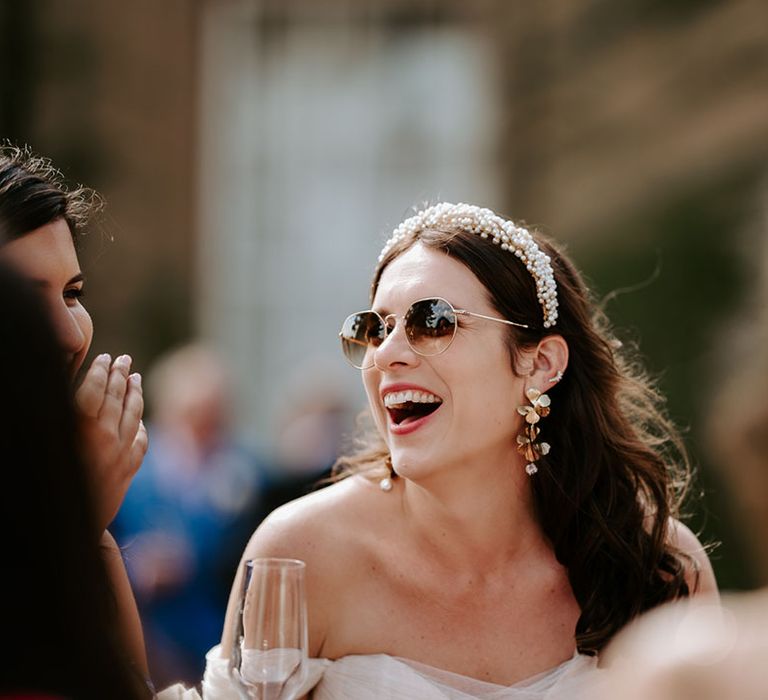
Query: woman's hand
[{"x": 110, "y": 403}]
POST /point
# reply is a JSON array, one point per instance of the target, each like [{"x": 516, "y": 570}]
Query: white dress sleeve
[
  {"x": 178, "y": 692},
  {"x": 217, "y": 684}
]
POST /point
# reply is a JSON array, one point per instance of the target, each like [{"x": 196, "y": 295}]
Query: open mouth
[{"x": 409, "y": 406}]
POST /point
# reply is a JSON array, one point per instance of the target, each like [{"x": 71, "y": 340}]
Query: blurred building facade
[{"x": 255, "y": 154}]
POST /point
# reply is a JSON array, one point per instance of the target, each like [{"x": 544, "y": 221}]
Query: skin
[
  {"x": 47, "y": 256},
  {"x": 109, "y": 401},
  {"x": 450, "y": 568},
  {"x": 474, "y": 378}
]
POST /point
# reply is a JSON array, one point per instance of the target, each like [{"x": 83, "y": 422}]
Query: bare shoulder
[
  {"x": 320, "y": 526},
  {"x": 330, "y": 530},
  {"x": 699, "y": 576}
]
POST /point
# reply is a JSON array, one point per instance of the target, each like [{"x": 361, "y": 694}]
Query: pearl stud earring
[{"x": 386, "y": 483}]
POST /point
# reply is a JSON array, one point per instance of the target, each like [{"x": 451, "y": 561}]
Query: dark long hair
[
  {"x": 56, "y": 606},
  {"x": 34, "y": 193},
  {"x": 617, "y": 470}
]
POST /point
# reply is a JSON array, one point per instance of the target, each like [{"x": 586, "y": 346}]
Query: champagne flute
[{"x": 269, "y": 651}]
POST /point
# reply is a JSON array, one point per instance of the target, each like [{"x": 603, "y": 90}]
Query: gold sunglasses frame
[{"x": 388, "y": 329}]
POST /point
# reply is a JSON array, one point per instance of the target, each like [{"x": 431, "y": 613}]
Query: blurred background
[{"x": 256, "y": 154}]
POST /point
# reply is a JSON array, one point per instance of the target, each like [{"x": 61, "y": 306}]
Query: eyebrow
[{"x": 79, "y": 277}]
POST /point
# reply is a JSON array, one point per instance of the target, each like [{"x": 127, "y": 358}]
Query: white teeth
[{"x": 396, "y": 398}]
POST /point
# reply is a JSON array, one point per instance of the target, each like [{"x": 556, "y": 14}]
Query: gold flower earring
[{"x": 526, "y": 442}]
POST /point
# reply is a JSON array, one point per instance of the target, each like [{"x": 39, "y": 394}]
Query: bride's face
[
  {"x": 47, "y": 256},
  {"x": 471, "y": 386}
]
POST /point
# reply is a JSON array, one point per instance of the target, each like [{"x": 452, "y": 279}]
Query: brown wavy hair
[
  {"x": 34, "y": 193},
  {"x": 617, "y": 471}
]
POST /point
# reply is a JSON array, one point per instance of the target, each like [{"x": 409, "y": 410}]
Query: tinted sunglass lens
[
  {"x": 430, "y": 325},
  {"x": 360, "y": 334}
]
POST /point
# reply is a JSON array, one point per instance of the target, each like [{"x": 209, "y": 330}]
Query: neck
[{"x": 479, "y": 517}]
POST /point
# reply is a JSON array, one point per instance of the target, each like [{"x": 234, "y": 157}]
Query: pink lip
[{"x": 411, "y": 426}]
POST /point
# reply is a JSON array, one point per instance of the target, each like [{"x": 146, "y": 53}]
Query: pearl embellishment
[{"x": 487, "y": 224}]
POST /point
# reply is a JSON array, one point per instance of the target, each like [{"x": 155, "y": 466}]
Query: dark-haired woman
[
  {"x": 58, "y": 608},
  {"x": 39, "y": 219},
  {"x": 516, "y": 505}
]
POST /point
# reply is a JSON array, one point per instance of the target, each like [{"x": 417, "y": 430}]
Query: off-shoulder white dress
[{"x": 379, "y": 676}]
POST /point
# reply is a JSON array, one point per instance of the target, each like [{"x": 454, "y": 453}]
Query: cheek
[
  {"x": 371, "y": 386},
  {"x": 489, "y": 406},
  {"x": 85, "y": 324}
]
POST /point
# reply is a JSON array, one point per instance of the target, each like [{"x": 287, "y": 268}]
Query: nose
[
  {"x": 68, "y": 331},
  {"x": 395, "y": 349}
]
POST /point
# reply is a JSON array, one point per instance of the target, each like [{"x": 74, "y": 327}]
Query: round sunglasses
[{"x": 430, "y": 327}]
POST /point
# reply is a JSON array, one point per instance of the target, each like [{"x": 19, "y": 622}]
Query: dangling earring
[
  {"x": 386, "y": 483},
  {"x": 526, "y": 443}
]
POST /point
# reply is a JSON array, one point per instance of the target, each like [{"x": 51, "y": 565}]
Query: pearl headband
[{"x": 487, "y": 224}]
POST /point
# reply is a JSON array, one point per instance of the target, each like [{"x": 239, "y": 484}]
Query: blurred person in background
[
  {"x": 40, "y": 217},
  {"x": 62, "y": 607},
  {"x": 188, "y": 512},
  {"x": 309, "y": 435}
]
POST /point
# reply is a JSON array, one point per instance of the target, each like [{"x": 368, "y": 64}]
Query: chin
[{"x": 415, "y": 467}]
